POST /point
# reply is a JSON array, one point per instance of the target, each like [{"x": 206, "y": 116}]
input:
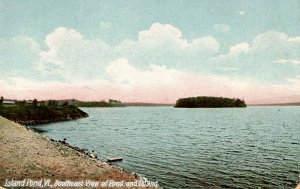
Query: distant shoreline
[
  {"x": 277, "y": 104},
  {"x": 146, "y": 104}
]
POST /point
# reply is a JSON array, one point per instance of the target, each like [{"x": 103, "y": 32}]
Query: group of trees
[
  {"x": 37, "y": 112},
  {"x": 54, "y": 103},
  {"x": 112, "y": 101},
  {"x": 209, "y": 102},
  {"x": 61, "y": 103},
  {"x": 31, "y": 114},
  {"x": 35, "y": 102},
  {"x": 24, "y": 102},
  {"x": 102, "y": 103},
  {"x": 21, "y": 103}
]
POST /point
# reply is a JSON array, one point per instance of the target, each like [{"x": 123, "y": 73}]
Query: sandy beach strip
[{"x": 26, "y": 154}]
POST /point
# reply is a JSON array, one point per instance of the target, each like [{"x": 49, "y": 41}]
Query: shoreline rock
[{"x": 38, "y": 122}]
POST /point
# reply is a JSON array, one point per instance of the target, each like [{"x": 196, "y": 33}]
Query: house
[
  {"x": 29, "y": 102},
  {"x": 9, "y": 103}
]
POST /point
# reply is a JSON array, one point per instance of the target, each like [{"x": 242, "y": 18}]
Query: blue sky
[{"x": 233, "y": 45}]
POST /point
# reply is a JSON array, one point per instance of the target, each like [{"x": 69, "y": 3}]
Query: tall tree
[
  {"x": 1, "y": 100},
  {"x": 65, "y": 103},
  {"x": 35, "y": 102}
]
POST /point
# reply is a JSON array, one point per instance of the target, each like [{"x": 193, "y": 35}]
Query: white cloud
[
  {"x": 164, "y": 44},
  {"x": 242, "y": 13},
  {"x": 275, "y": 40},
  {"x": 61, "y": 35},
  {"x": 221, "y": 27},
  {"x": 121, "y": 71},
  {"x": 294, "y": 39},
  {"x": 233, "y": 54},
  {"x": 272, "y": 46},
  {"x": 159, "y": 34},
  {"x": 168, "y": 36},
  {"x": 206, "y": 44},
  {"x": 70, "y": 53},
  {"x": 235, "y": 50},
  {"x": 268, "y": 45},
  {"x": 58, "y": 42},
  {"x": 124, "y": 73},
  {"x": 285, "y": 61}
]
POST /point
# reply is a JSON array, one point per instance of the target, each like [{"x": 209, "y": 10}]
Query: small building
[{"x": 9, "y": 103}]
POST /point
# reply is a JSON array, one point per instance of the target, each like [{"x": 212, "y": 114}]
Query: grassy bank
[{"x": 32, "y": 115}]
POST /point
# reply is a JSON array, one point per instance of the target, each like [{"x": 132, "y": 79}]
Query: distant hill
[
  {"x": 79, "y": 103},
  {"x": 110, "y": 103},
  {"x": 278, "y": 104},
  {"x": 276, "y": 100},
  {"x": 145, "y": 104}
]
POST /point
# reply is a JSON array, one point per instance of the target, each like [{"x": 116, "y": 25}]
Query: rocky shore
[
  {"x": 26, "y": 154},
  {"x": 45, "y": 121}
]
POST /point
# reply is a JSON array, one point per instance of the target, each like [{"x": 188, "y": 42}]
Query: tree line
[{"x": 209, "y": 102}]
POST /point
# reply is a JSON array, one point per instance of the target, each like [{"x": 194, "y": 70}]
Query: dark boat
[{"x": 114, "y": 159}]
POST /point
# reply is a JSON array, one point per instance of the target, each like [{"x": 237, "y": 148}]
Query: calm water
[{"x": 254, "y": 147}]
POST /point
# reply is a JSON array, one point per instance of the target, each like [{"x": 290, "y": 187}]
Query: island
[{"x": 209, "y": 102}]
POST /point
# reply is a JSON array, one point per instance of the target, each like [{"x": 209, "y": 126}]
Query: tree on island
[
  {"x": 112, "y": 101},
  {"x": 240, "y": 103}
]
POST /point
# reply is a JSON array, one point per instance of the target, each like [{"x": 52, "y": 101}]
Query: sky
[{"x": 150, "y": 51}]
